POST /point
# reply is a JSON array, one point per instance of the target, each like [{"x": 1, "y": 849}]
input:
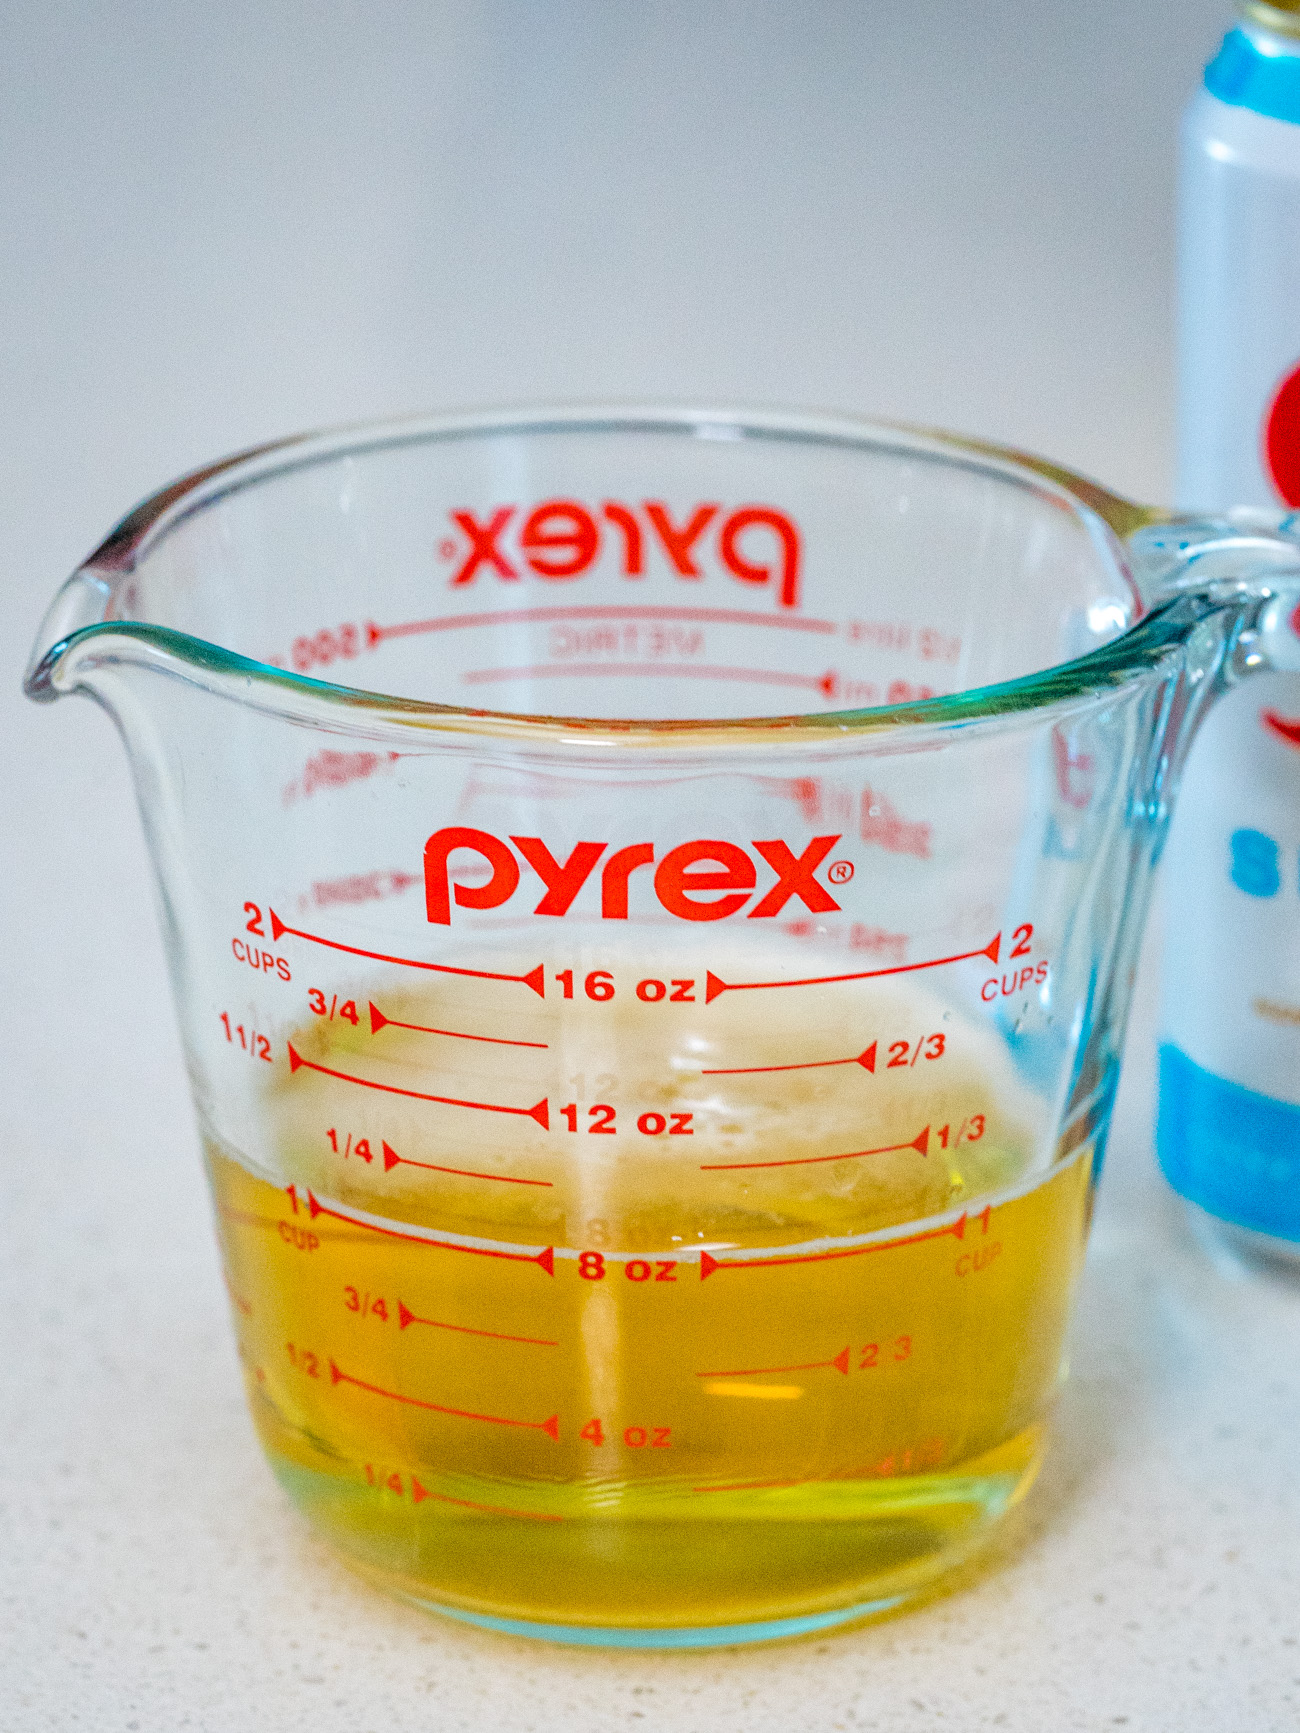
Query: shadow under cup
[{"x": 652, "y": 950}]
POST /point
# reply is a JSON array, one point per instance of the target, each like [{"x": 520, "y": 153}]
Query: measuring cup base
[
  {"x": 669, "y": 1637},
  {"x": 656, "y": 1582}
]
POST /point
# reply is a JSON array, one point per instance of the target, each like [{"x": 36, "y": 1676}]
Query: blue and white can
[{"x": 1228, "y": 1132}]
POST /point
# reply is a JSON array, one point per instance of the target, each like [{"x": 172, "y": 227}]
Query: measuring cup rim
[{"x": 1108, "y": 518}]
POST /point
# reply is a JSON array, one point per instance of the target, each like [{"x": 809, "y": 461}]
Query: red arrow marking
[
  {"x": 378, "y": 1021},
  {"x": 709, "y": 1264},
  {"x": 551, "y": 1427},
  {"x": 1282, "y": 726},
  {"x": 540, "y": 1111},
  {"x": 392, "y": 1160},
  {"x": 247, "y": 1218},
  {"x": 406, "y": 1316},
  {"x": 866, "y": 1059},
  {"x": 419, "y": 1492},
  {"x": 545, "y": 1258},
  {"x": 535, "y": 978},
  {"x": 714, "y": 986},
  {"x": 239, "y": 1301},
  {"x": 920, "y": 1143},
  {"x": 840, "y": 1364}
]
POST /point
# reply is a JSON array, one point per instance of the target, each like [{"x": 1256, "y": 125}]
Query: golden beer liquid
[{"x": 736, "y": 1373}]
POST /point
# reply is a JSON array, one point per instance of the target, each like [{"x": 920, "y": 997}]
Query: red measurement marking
[
  {"x": 840, "y": 1364},
  {"x": 376, "y": 635},
  {"x": 378, "y": 1021},
  {"x": 238, "y": 1299},
  {"x": 247, "y": 1218},
  {"x": 551, "y": 1427},
  {"x": 709, "y": 1264},
  {"x": 406, "y": 1316},
  {"x": 545, "y": 1259},
  {"x": 392, "y": 1160},
  {"x": 539, "y": 1111},
  {"x": 866, "y": 1059},
  {"x": 535, "y": 978},
  {"x": 714, "y": 986},
  {"x": 920, "y": 1143},
  {"x": 826, "y": 683},
  {"x": 419, "y": 1492}
]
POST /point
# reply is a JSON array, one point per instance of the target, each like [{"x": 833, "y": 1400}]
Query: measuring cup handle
[{"x": 1243, "y": 564}]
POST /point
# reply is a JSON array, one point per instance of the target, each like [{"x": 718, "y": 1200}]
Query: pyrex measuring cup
[{"x": 652, "y": 899}]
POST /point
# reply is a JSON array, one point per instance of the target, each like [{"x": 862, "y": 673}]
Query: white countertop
[{"x": 226, "y": 224}]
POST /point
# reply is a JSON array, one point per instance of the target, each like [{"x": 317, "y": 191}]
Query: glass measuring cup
[{"x": 652, "y": 900}]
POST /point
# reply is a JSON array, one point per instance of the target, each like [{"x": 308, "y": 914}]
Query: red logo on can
[{"x": 1282, "y": 439}]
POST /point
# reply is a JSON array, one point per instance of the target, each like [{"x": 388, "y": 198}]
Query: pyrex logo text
[
  {"x": 687, "y": 880},
  {"x": 562, "y": 538}
]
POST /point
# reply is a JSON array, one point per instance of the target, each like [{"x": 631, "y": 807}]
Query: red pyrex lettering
[
  {"x": 562, "y": 538},
  {"x": 705, "y": 879}
]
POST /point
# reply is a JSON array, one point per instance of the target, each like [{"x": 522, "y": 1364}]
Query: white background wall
[{"x": 226, "y": 222}]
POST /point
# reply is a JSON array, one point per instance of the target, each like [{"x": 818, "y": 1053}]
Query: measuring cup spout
[
  {"x": 83, "y": 602},
  {"x": 101, "y": 599},
  {"x": 93, "y": 641}
]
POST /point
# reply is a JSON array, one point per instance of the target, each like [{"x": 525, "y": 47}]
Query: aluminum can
[{"x": 1228, "y": 1132}]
